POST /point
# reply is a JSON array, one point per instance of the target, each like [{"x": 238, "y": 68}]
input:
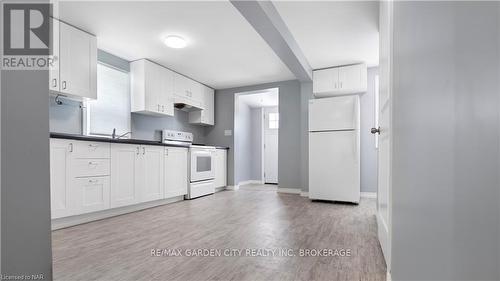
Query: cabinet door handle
[
  {"x": 158, "y": 108},
  {"x": 54, "y": 82},
  {"x": 64, "y": 85},
  {"x": 162, "y": 108},
  {"x": 92, "y": 181},
  {"x": 137, "y": 150},
  {"x": 71, "y": 147},
  {"x": 92, "y": 163},
  {"x": 143, "y": 150}
]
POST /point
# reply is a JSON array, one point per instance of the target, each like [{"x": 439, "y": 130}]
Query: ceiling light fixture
[{"x": 176, "y": 42}]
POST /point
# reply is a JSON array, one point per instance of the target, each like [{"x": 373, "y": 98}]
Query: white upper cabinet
[
  {"x": 206, "y": 115},
  {"x": 74, "y": 73},
  {"x": 188, "y": 91},
  {"x": 351, "y": 79},
  {"x": 175, "y": 171},
  {"x": 152, "y": 88},
  {"x": 54, "y": 80}
]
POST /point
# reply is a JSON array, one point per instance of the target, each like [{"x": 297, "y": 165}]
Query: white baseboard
[
  {"x": 371, "y": 195},
  {"x": 232, "y": 187},
  {"x": 237, "y": 186},
  {"x": 250, "y": 182},
  {"x": 219, "y": 189},
  {"x": 84, "y": 218},
  {"x": 289, "y": 190},
  {"x": 304, "y": 193}
]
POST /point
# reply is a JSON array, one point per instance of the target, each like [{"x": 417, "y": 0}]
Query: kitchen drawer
[
  {"x": 90, "y": 167},
  {"x": 90, "y": 194},
  {"x": 88, "y": 149}
]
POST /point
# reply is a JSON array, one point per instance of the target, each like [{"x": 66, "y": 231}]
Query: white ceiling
[
  {"x": 224, "y": 50},
  {"x": 265, "y": 98},
  {"x": 333, "y": 33}
]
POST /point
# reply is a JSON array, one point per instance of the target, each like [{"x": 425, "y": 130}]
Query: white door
[
  {"x": 59, "y": 177},
  {"x": 150, "y": 173},
  {"x": 124, "y": 160},
  {"x": 78, "y": 65},
  {"x": 384, "y": 111},
  {"x": 176, "y": 172},
  {"x": 271, "y": 129},
  {"x": 334, "y": 166}
]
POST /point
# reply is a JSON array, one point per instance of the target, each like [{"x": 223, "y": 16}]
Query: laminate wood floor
[{"x": 257, "y": 219}]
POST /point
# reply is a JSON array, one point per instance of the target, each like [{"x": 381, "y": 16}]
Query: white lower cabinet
[
  {"x": 150, "y": 178},
  {"x": 136, "y": 174},
  {"x": 59, "y": 177},
  {"x": 175, "y": 171},
  {"x": 79, "y": 177},
  {"x": 91, "y": 194},
  {"x": 94, "y": 176},
  {"x": 124, "y": 182},
  {"x": 220, "y": 168}
]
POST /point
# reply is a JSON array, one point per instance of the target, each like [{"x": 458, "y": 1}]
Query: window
[
  {"x": 112, "y": 108},
  {"x": 274, "y": 120}
]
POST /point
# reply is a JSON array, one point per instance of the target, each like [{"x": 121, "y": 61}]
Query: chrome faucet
[{"x": 120, "y": 136}]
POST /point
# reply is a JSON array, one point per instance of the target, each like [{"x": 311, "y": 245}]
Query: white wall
[{"x": 446, "y": 207}]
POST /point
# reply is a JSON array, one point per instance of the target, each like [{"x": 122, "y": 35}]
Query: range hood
[
  {"x": 185, "y": 104},
  {"x": 186, "y": 107}
]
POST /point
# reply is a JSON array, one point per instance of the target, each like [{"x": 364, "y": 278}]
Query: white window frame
[{"x": 86, "y": 111}]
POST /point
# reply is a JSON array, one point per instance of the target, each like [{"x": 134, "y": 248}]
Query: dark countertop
[{"x": 110, "y": 140}]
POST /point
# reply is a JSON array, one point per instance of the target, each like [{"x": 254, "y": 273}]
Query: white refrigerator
[{"x": 334, "y": 149}]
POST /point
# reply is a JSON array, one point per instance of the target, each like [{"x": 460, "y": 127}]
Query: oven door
[{"x": 202, "y": 164}]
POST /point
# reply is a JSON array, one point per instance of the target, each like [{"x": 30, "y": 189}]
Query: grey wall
[
  {"x": 289, "y": 173},
  {"x": 369, "y": 158},
  {"x": 256, "y": 143},
  {"x": 149, "y": 127},
  {"x": 306, "y": 93},
  {"x": 25, "y": 213},
  {"x": 446, "y": 127},
  {"x": 242, "y": 142}
]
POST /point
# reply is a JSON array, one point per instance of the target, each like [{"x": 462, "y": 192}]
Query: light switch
[{"x": 228, "y": 133}]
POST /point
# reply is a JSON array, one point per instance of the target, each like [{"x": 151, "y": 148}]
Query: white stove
[{"x": 201, "y": 163}]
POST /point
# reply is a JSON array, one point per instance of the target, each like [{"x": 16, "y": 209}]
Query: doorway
[{"x": 256, "y": 129}]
